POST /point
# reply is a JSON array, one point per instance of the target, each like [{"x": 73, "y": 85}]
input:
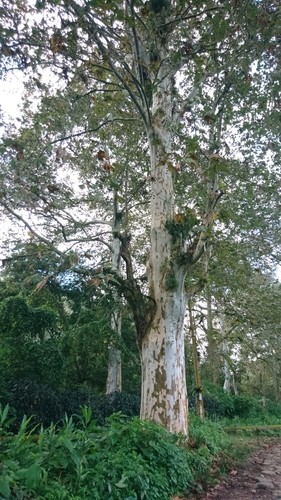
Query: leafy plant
[{"x": 124, "y": 459}]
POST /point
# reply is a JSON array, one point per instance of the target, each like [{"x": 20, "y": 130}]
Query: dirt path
[{"x": 258, "y": 479}]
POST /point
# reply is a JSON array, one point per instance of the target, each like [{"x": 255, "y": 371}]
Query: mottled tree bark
[{"x": 164, "y": 395}]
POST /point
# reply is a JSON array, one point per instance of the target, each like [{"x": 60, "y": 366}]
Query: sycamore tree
[
  {"x": 245, "y": 314},
  {"x": 153, "y": 63},
  {"x": 252, "y": 332}
]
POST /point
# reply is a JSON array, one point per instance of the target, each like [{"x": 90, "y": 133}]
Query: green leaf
[
  {"x": 121, "y": 483},
  {"x": 3, "y": 414},
  {"x": 5, "y": 487},
  {"x": 31, "y": 476}
]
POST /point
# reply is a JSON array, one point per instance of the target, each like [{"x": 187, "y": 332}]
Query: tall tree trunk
[
  {"x": 234, "y": 382},
  {"x": 276, "y": 375},
  {"x": 212, "y": 364},
  {"x": 199, "y": 402},
  {"x": 114, "y": 370},
  {"x": 164, "y": 395},
  {"x": 226, "y": 368}
]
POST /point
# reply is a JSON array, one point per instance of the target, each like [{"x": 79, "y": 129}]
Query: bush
[
  {"x": 221, "y": 405},
  {"x": 47, "y": 405},
  {"x": 209, "y": 443},
  {"x": 218, "y": 405},
  {"x": 33, "y": 399},
  {"x": 127, "y": 404},
  {"x": 273, "y": 408},
  {"x": 245, "y": 406}
]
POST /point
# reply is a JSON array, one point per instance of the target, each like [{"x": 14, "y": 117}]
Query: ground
[{"x": 258, "y": 479}]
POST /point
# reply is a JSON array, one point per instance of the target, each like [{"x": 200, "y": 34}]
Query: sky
[{"x": 10, "y": 95}]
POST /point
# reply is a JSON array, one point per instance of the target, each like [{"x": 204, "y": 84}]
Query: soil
[{"x": 258, "y": 479}]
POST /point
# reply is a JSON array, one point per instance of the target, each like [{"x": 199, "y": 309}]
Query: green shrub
[
  {"x": 122, "y": 460},
  {"x": 273, "y": 408},
  {"x": 245, "y": 406},
  {"x": 48, "y": 405},
  {"x": 218, "y": 404},
  {"x": 208, "y": 434},
  {"x": 127, "y": 404},
  {"x": 30, "y": 398}
]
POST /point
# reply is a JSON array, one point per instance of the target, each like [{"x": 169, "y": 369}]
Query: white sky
[{"x": 10, "y": 95}]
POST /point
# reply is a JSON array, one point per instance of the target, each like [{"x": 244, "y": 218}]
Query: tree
[
  {"x": 199, "y": 403},
  {"x": 29, "y": 347},
  {"x": 143, "y": 51},
  {"x": 254, "y": 312},
  {"x": 83, "y": 331}
]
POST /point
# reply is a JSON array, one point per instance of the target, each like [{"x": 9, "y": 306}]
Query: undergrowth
[{"x": 126, "y": 459}]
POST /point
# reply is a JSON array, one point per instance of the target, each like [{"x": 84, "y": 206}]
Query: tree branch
[
  {"x": 204, "y": 235},
  {"x": 30, "y": 228},
  {"x": 105, "y": 52},
  {"x": 89, "y": 131},
  {"x": 184, "y": 17}
]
